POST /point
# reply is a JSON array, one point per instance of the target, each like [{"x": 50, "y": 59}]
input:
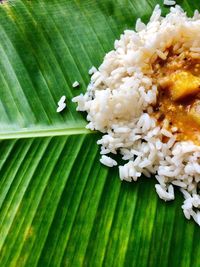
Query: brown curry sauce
[{"x": 179, "y": 113}]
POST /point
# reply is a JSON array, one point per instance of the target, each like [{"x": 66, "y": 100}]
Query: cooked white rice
[
  {"x": 75, "y": 84},
  {"x": 61, "y": 104},
  {"x": 92, "y": 70},
  {"x": 62, "y": 100},
  {"x": 118, "y": 102},
  {"x": 61, "y": 107},
  {"x": 107, "y": 161},
  {"x": 169, "y": 2}
]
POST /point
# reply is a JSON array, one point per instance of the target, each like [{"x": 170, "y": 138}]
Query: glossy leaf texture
[{"x": 58, "y": 205}]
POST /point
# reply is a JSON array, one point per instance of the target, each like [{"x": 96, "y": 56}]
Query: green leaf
[{"x": 58, "y": 205}]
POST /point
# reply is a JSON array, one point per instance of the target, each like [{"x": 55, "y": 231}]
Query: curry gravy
[{"x": 182, "y": 112}]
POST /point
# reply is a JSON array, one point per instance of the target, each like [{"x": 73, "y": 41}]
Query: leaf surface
[{"x": 58, "y": 205}]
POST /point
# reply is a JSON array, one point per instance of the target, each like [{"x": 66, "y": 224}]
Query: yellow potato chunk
[
  {"x": 194, "y": 112},
  {"x": 183, "y": 84}
]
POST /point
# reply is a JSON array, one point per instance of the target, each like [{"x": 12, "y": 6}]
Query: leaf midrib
[{"x": 45, "y": 132}]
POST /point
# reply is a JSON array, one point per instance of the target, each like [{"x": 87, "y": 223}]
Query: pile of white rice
[{"x": 119, "y": 104}]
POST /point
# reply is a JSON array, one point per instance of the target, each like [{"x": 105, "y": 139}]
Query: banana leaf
[{"x": 58, "y": 205}]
